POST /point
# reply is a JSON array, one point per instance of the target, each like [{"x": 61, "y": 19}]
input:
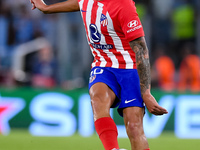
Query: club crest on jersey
[{"x": 103, "y": 20}]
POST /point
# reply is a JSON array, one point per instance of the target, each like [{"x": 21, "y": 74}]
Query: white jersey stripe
[
  {"x": 88, "y": 22},
  {"x": 88, "y": 17},
  {"x": 118, "y": 44},
  {"x": 81, "y": 5},
  {"x": 94, "y": 51},
  {"x": 115, "y": 63},
  {"x": 99, "y": 12},
  {"x": 103, "y": 40}
]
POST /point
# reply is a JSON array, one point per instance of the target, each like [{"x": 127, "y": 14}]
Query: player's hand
[
  {"x": 39, "y": 4},
  {"x": 33, "y": 4},
  {"x": 152, "y": 105}
]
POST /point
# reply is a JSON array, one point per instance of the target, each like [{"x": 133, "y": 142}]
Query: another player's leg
[
  {"x": 133, "y": 119},
  {"x": 102, "y": 98}
]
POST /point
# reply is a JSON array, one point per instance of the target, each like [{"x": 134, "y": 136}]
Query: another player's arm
[
  {"x": 66, "y": 6},
  {"x": 143, "y": 68}
]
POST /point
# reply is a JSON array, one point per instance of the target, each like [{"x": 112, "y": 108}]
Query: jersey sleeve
[{"x": 129, "y": 21}]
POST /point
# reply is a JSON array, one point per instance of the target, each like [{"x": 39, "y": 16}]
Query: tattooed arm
[{"x": 143, "y": 68}]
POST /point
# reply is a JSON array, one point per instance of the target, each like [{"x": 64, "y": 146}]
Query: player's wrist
[
  {"x": 146, "y": 93},
  {"x": 46, "y": 9}
]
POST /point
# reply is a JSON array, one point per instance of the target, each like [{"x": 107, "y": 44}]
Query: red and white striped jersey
[{"x": 110, "y": 25}]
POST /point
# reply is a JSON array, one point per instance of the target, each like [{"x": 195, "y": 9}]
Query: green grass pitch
[{"x": 22, "y": 140}]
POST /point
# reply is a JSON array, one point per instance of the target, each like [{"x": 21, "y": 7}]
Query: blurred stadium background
[{"x": 44, "y": 69}]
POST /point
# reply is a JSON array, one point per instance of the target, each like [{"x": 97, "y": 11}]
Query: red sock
[
  {"x": 107, "y": 131},
  {"x": 147, "y": 149}
]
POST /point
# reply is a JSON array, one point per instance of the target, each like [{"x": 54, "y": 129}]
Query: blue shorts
[{"x": 124, "y": 83}]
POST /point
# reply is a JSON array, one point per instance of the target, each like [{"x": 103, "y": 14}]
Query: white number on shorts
[{"x": 97, "y": 71}]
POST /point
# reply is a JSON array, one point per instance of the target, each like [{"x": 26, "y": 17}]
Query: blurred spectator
[
  {"x": 189, "y": 71},
  {"x": 74, "y": 55},
  {"x": 44, "y": 69},
  {"x": 183, "y": 25},
  {"x": 183, "y": 19},
  {"x": 23, "y": 25},
  {"x": 162, "y": 10},
  {"x": 163, "y": 70},
  {"x": 6, "y": 42},
  {"x": 4, "y": 24},
  {"x": 141, "y": 10},
  {"x": 47, "y": 27}
]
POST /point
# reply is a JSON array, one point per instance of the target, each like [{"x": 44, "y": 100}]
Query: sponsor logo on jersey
[
  {"x": 95, "y": 36},
  {"x": 135, "y": 28},
  {"x": 94, "y": 33},
  {"x": 103, "y": 20},
  {"x": 102, "y": 46},
  {"x": 132, "y": 23}
]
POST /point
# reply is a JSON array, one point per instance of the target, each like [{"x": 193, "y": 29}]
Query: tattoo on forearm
[{"x": 142, "y": 62}]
